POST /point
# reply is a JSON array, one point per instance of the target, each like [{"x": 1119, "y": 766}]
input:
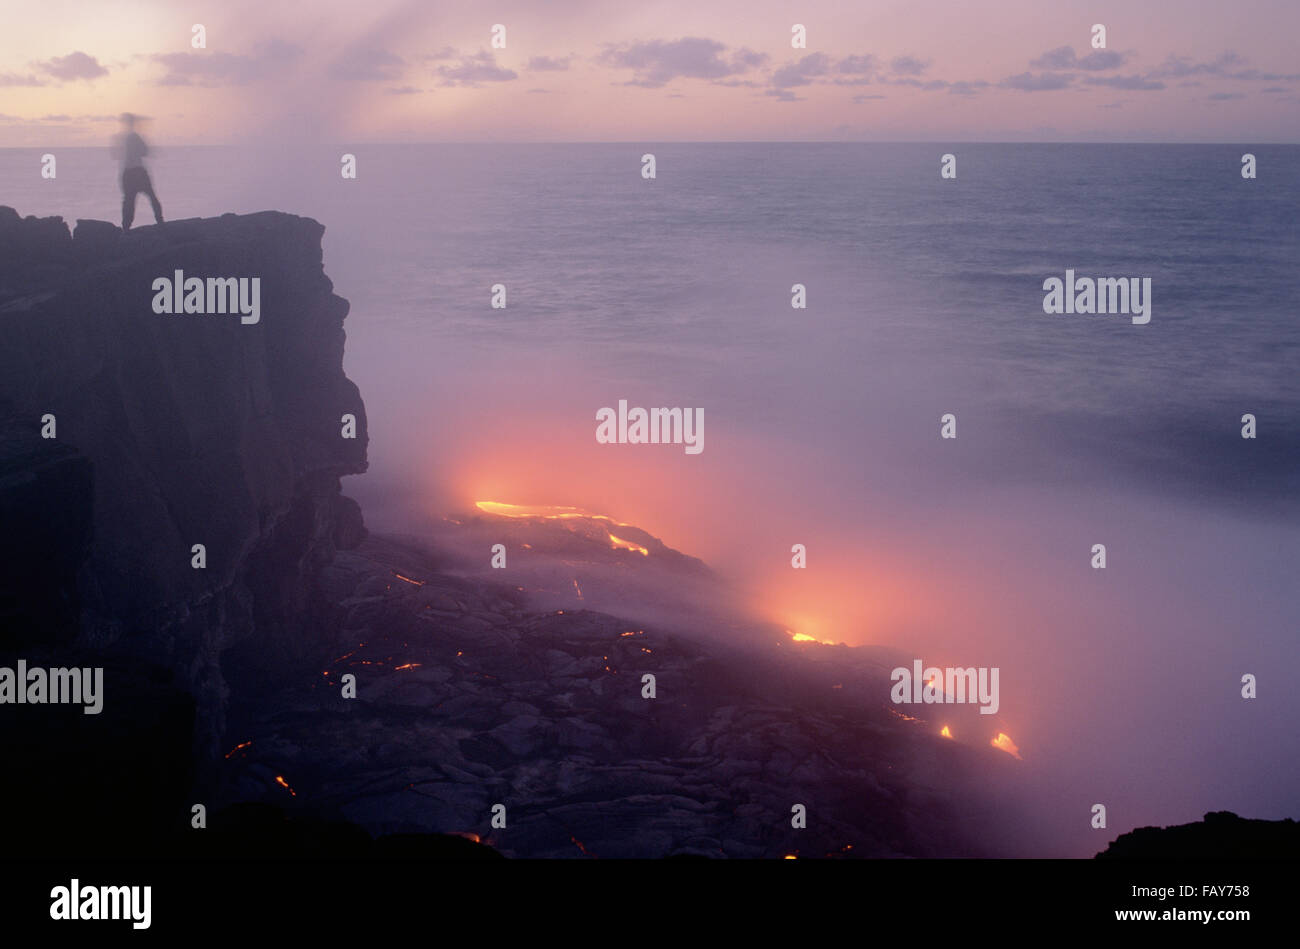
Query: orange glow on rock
[
  {"x": 1004, "y": 743},
  {"x": 946, "y": 732},
  {"x": 549, "y": 511},
  {"x": 621, "y": 544},
  {"x": 239, "y": 747},
  {"x": 804, "y": 638}
]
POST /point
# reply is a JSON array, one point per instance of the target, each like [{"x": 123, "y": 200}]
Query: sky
[{"x": 338, "y": 71}]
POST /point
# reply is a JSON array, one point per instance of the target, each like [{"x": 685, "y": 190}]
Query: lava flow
[
  {"x": 550, "y": 512},
  {"x": 1004, "y": 743},
  {"x": 622, "y": 544}
]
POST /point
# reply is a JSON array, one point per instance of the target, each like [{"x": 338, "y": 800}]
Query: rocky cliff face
[{"x": 170, "y": 430}]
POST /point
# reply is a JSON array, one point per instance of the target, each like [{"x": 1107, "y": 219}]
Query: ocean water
[{"x": 1121, "y": 686}]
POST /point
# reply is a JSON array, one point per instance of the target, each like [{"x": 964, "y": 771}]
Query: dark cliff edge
[
  {"x": 168, "y": 431},
  {"x": 1221, "y": 835}
]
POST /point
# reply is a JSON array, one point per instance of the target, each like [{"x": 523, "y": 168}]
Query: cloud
[
  {"x": 402, "y": 90},
  {"x": 855, "y": 70},
  {"x": 654, "y": 63},
  {"x": 23, "y": 120},
  {"x": 864, "y": 98},
  {"x": 1178, "y": 67},
  {"x": 1135, "y": 83},
  {"x": 1254, "y": 75},
  {"x": 1227, "y": 65},
  {"x": 1224, "y": 96},
  {"x": 783, "y": 95},
  {"x": 548, "y": 63},
  {"x": 801, "y": 72},
  {"x": 857, "y": 65},
  {"x": 205, "y": 68},
  {"x": 964, "y": 88},
  {"x": 1113, "y": 105},
  {"x": 908, "y": 65},
  {"x": 1275, "y": 89},
  {"x": 447, "y": 52},
  {"x": 1044, "y": 82},
  {"x": 367, "y": 65},
  {"x": 541, "y": 91},
  {"x": 1063, "y": 57},
  {"x": 929, "y": 85},
  {"x": 73, "y": 66},
  {"x": 13, "y": 79},
  {"x": 472, "y": 70}
]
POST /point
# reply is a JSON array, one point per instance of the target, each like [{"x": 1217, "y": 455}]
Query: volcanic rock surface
[{"x": 467, "y": 697}]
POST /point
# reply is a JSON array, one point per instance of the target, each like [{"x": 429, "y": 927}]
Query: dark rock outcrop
[
  {"x": 171, "y": 431},
  {"x": 1222, "y": 835},
  {"x": 45, "y": 507}
]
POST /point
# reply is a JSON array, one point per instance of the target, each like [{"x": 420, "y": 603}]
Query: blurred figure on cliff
[{"x": 129, "y": 148}]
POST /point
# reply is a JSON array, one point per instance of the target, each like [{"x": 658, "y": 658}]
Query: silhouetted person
[{"x": 131, "y": 149}]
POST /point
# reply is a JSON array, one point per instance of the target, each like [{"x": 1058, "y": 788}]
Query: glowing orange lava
[
  {"x": 239, "y": 747},
  {"x": 895, "y": 712},
  {"x": 1004, "y": 743},
  {"x": 804, "y": 638},
  {"x": 622, "y": 544},
  {"x": 549, "y": 511},
  {"x": 946, "y": 732},
  {"x": 279, "y": 779}
]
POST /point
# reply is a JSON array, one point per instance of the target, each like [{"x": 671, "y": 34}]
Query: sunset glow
[{"x": 676, "y": 71}]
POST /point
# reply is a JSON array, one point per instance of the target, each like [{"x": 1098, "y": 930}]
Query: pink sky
[{"x": 661, "y": 70}]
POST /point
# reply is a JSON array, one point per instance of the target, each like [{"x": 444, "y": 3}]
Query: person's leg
[
  {"x": 128, "y": 199},
  {"x": 147, "y": 188}
]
